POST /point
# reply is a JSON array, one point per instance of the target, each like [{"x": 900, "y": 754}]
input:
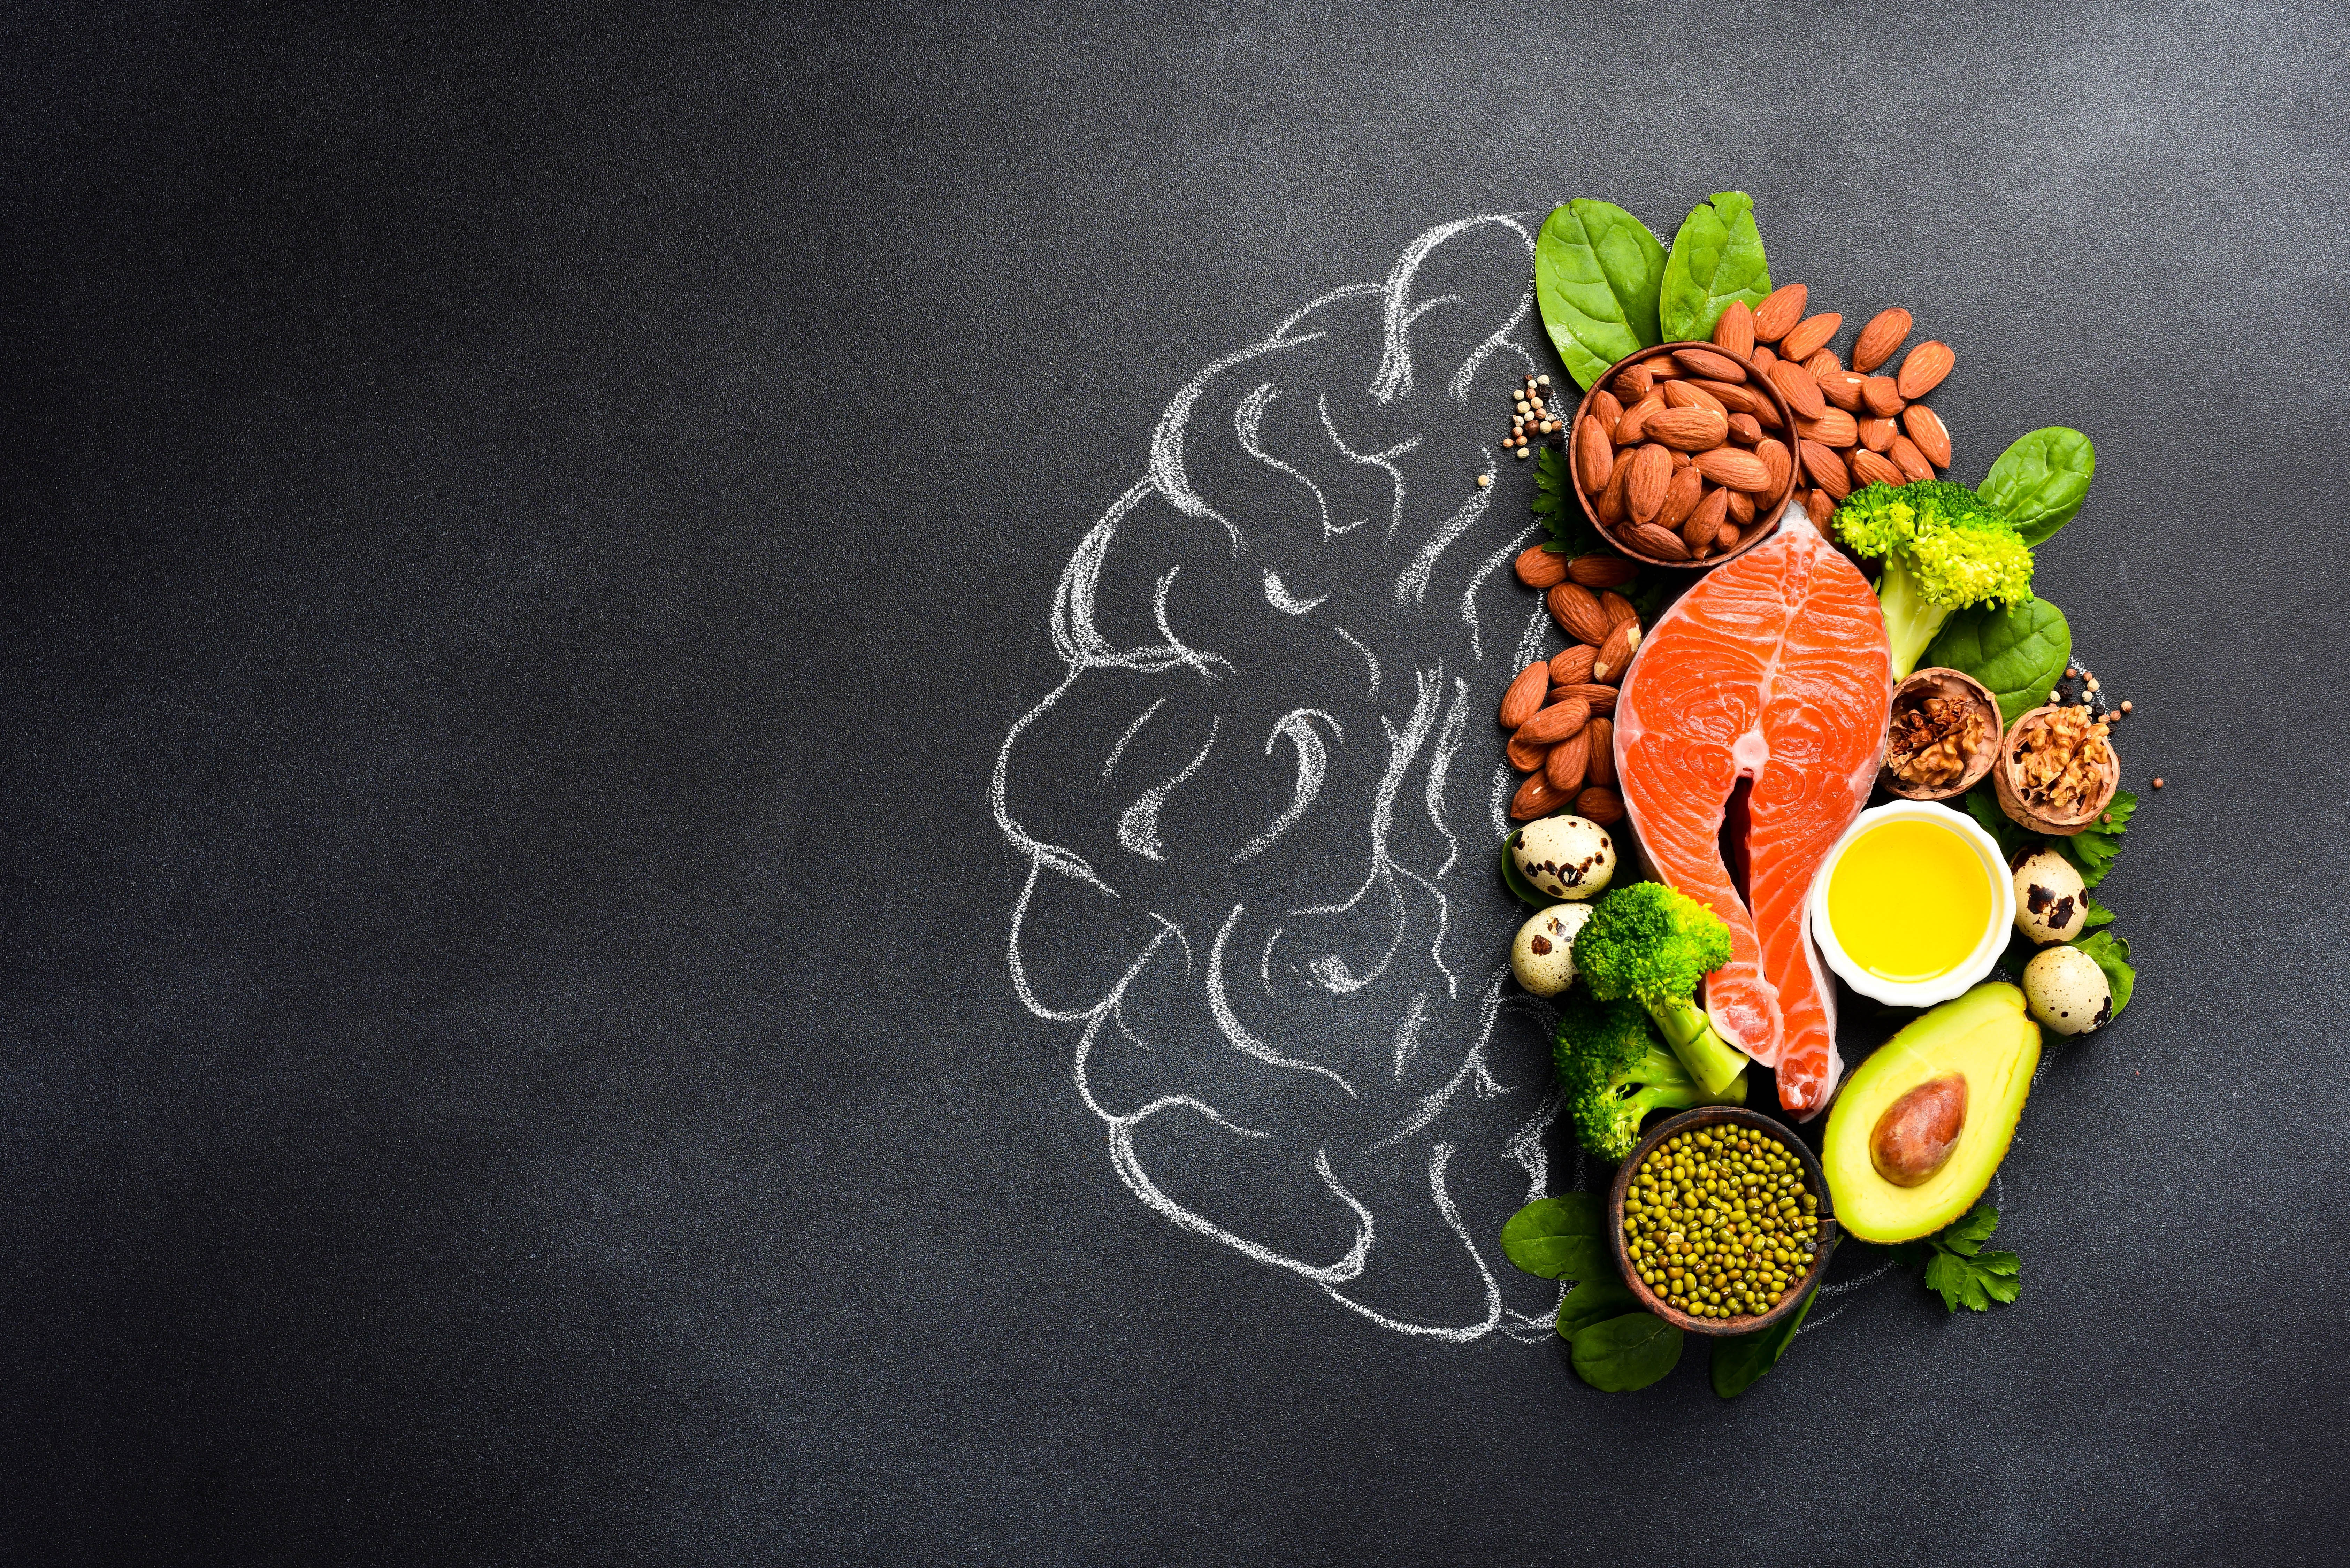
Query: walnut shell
[
  {"x": 1953, "y": 683},
  {"x": 2010, "y": 797}
]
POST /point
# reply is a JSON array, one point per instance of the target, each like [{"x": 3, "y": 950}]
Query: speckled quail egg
[
  {"x": 1542, "y": 956},
  {"x": 2050, "y": 902},
  {"x": 1566, "y": 856},
  {"x": 2065, "y": 991}
]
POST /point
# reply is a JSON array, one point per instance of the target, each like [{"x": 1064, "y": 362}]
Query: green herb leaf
[
  {"x": 1967, "y": 1233},
  {"x": 2112, "y": 953},
  {"x": 1740, "y": 1358},
  {"x": 1527, "y": 891},
  {"x": 1597, "y": 272},
  {"x": 1562, "y": 1238},
  {"x": 1958, "y": 1269},
  {"x": 1619, "y": 1354},
  {"x": 1592, "y": 1302},
  {"x": 2093, "y": 850},
  {"x": 2098, "y": 915},
  {"x": 1717, "y": 258},
  {"x": 2042, "y": 479},
  {"x": 1982, "y": 804},
  {"x": 2018, "y": 651},
  {"x": 1571, "y": 533}
]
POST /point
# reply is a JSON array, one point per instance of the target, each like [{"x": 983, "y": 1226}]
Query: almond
[
  {"x": 1922, "y": 369},
  {"x": 1842, "y": 387},
  {"x": 1607, "y": 411},
  {"x": 1690, "y": 395},
  {"x": 1876, "y": 434},
  {"x": 1823, "y": 365},
  {"x": 1571, "y": 665},
  {"x": 1680, "y": 458},
  {"x": 1738, "y": 470},
  {"x": 1564, "y": 765},
  {"x": 1833, "y": 428},
  {"x": 1617, "y": 609},
  {"x": 1555, "y": 722},
  {"x": 1779, "y": 461},
  {"x": 1689, "y": 430},
  {"x": 1524, "y": 756},
  {"x": 1810, "y": 335},
  {"x": 1870, "y": 469},
  {"x": 1735, "y": 398},
  {"x": 1660, "y": 544},
  {"x": 1603, "y": 806},
  {"x": 1524, "y": 698},
  {"x": 1909, "y": 460},
  {"x": 1628, "y": 429},
  {"x": 1776, "y": 314},
  {"x": 1652, "y": 469},
  {"x": 1883, "y": 398},
  {"x": 1744, "y": 431},
  {"x": 1539, "y": 568},
  {"x": 1601, "y": 570},
  {"x": 1615, "y": 654},
  {"x": 1742, "y": 508},
  {"x": 1726, "y": 537},
  {"x": 1681, "y": 499},
  {"x": 1880, "y": 338},
  {"x": 1802, "y": 392},
  {"x": 1599, "y": 763},
  {"x": 1537, "y": 799},
  {"x": 1707, "y": 363},
  {"x": 1821, "y": 506},
  {"x": 1594, "y": 455},
  {"x": 1762, "y": 359},
  {"x": 1598, "y": 698},
  {"x": 1576, "y": 610},
  {"x": 1610, "y": 508},
  {"x": 1826, "y": 469},
  {"x": 1633, "y": 381},
  {"x": 1735, "y": 329},
  {"x": 1925, "y": 428},
  {"x": 1706, "y": 522}
]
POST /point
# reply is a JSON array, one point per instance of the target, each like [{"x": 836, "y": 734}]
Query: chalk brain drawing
[{"x": 1259, "y": 805}]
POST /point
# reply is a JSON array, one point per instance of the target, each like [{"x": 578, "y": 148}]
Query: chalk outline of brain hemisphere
[{"x": 1424, "y": 729}]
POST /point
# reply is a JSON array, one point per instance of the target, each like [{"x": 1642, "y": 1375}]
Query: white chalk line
[
  {"x": 1138, "y": 825},
  {"x": 1313, "y": 763},
  {"x": 1438, "y": 1158},
  {"x": 1384, "y": 461},
  {"x": 1278, "y": 595},
  {"x": 1369, "y": 657},
  {"x": 1413, "y": 583},
  {"x": 1331, "y": 970},
  {"x": 1229, "y": 1023},
  {"x": 1131, "y": 731},
  {"x": 1440, "y": 770},
  {"x": 1247, "y": 420},
  {"x": 1415, "y": 1018},
  {"x": 1486, "y": 569}
]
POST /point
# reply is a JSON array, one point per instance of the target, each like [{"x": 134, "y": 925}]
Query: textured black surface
[{"x": 525, "y": 534}]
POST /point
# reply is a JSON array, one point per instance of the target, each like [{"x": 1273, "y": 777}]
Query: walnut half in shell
[{"x": 1942, "y": 735}]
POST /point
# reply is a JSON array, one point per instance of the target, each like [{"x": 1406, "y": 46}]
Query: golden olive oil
[{"x": 1909, "y": 901}]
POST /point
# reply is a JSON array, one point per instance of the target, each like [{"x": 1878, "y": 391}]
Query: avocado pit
[{"x": 1914, "y": 1138}]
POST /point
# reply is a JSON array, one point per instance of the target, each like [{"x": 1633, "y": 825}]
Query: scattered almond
[
  {"x": 1539, "y": 568},
  {"x": 1615, "y": 654},
  {"x": 1826, "y": 469},
  {"x": 1571, "y": 665},
  {"x": 1779, "y": 461},
  {"x": 1870, "y": 469},
  {"x": 1599, "y": 761},
  {"x": 1564, "y": 765},
  {"x": 1923, "y": 368},
  {"x": 1609, "y": 507},
  {"x": 1735, "y": 329},
  {"x": 1842, "y": 387},
  {"x": 1704, "y": 524},
  {"x": 1524, "y": 698},
  {"x": 1909, "y": 459},
  {"x": 1628, "y": 428},
  {"x": 1883, "y": 398},
  {"x": 1820, "y": 506},
  {"x": 1775, "y": 316},
  {"x": 1880, "y": 338},
  {"x": 1537, "y": 799},
  {"x": 1524, "y": 755},
  {"x": 1633, "y": 381},
  {"x": 1600, "y": 570},
  {"x": 1598, "y": 698},
  {"x": 1925, "y": 428},
  {"x": 1823, "y": 365},
  {"x": 1762, "y": 358},
  {"x": 1833, "y": 428},
  {"x": 1555, "y": 722},
  {"x": 1603, "y": 806},
  {"x": 1576, "y": 610},
  {"x": 1802, "y": 392},
  {"x": 1810, "y": 335},
  {"x": 1617, "y": 609}
]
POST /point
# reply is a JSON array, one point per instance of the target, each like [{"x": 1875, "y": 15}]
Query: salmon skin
[{"x": 1773, "y": 667}]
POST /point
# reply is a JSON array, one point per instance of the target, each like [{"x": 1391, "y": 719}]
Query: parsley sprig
[{"x": 1958, "y": 1269}]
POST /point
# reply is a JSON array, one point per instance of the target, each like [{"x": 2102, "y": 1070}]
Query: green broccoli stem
[
  {"x": 1911, "y": 619},
  {"x": 1712, "y": 1061}
]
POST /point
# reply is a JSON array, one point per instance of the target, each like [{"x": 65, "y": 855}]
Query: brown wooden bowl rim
[
  {"x": 1977, "y": 771},
  {"x": 2011, "y": 799},
  {"x": 1716, "y": 1116},
  {"x": 1778, "y": 506}
]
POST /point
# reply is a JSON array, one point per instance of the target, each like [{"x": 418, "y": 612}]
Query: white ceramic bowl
[{"x": 1979, "y": 962}]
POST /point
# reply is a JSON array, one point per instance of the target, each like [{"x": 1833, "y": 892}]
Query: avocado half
[{"x": 1983, "y": 1037}]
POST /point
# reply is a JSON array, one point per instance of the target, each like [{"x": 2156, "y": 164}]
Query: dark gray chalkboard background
[{"x": 525, "y": 532}]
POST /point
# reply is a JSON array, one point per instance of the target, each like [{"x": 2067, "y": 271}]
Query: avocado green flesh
[{"x": 1983, "y": 1035}]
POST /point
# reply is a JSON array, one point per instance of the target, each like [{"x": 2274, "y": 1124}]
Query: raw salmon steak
[{"x": 1773, "y": 667}]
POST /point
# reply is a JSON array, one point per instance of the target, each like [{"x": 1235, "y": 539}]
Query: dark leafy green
[
  {"x": 2097, "y": 915},
  {"x": 1958, "y": 1269},
  {"x": 2042, "y": 479},
  {"x": 1740, "y": 1358},
  {"x": 1982, "y": 804},
  {"x": 1717, "y": 258},
  {"x": 2093, "y": 850},
  {"x": 2018, "y": 651},
  {"x": 2112, "y": 953},
  {"x": 1619, "y": 1354},
  {"x": 1596, "y": 273},
  {"x": 1527, "y": 891},
  {"x": 1571, "y": 533},
  {"x": 1562, "y": 1238},
  {"x": 1594, "y": 1301}
]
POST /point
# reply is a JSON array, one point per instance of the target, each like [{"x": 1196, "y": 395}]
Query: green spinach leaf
[
  {"x": 2093, "y": 850},
  {"x": 2112, "y": 953},
  {"x": 1717, "y": 258},
  {"x": 1982, "y": 804},
  {"x": 1596, "y": 271},
  {"x": 1527, "y": 891},
  {"x": 1562, "y": 1238},
  {"x": 1593, "y": 1301},
  {"x": 1619, "y": 1354},
  {"x": 1741, "y": 1358},
  {"x": 2042, "y": 479},
  {"x": 2018, "y": 651}
]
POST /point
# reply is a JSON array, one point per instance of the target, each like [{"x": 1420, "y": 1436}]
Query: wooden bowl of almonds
[
  {"x": 1680, "y": 454},
  {"x": 2057, "y": 770},
  {"x": 1942, "y": 737}
]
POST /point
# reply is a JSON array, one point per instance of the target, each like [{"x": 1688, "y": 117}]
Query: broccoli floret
[
  {"x": 1944, "y": 548},
  {"x": 1652, "y": 944},
  {"x": 1614, "y": 1071}
]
